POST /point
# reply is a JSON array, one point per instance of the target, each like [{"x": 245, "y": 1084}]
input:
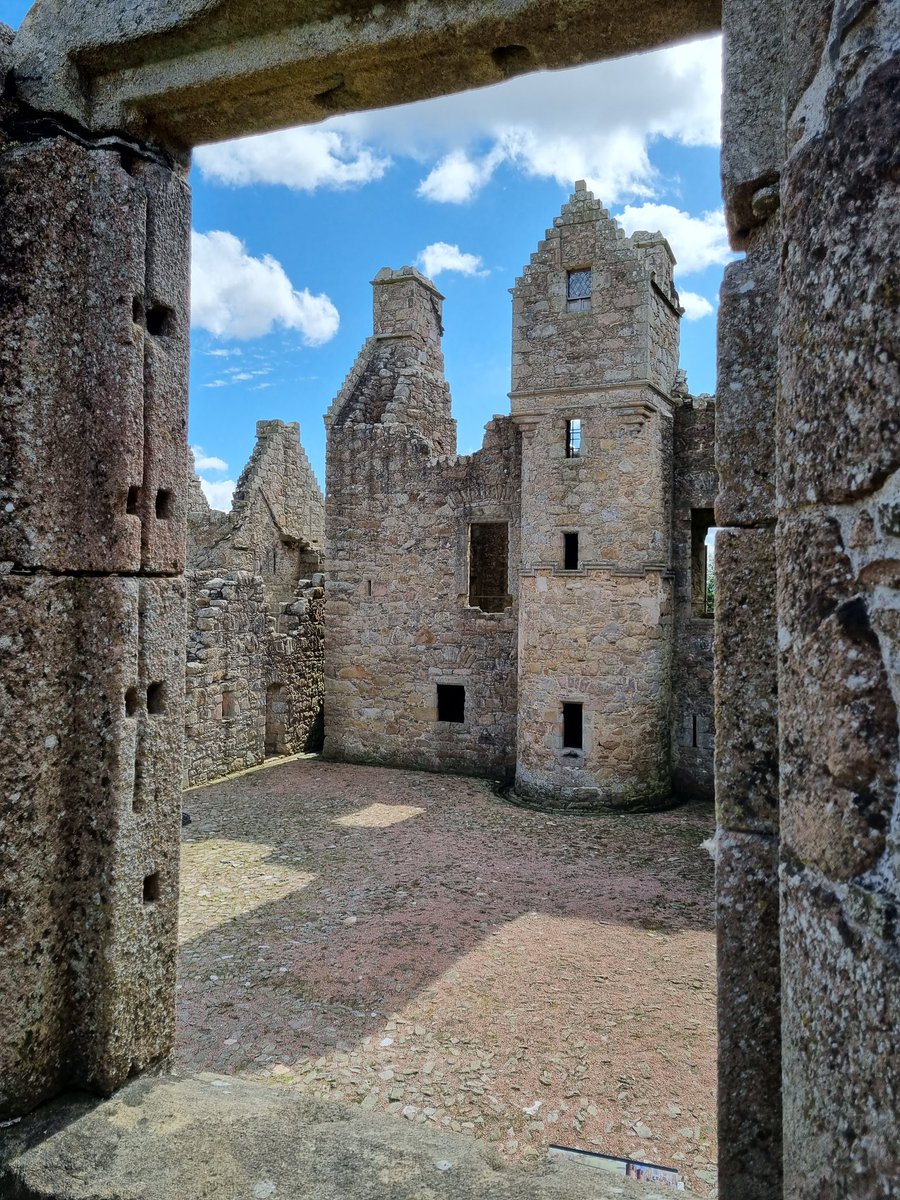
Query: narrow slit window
[
  {"x": 133, "y": 500},
  {"x": 489, "y": 566},
  {"x": 160, "y": 320},
  {"x": 694, "y": 731},
  {"x": 156, "y": 698},
  {"x": 165, "y": 504},
  {"x": 573, "y": 726},
  {"x": 573, "y": 438},
  {"x": 151, "y": 888},
  {"x": 570, "y": 551},
  {"x": 703, "y": 562},
  {"x": 578, "y": 290},
  {"x": 451, "y": 702}
]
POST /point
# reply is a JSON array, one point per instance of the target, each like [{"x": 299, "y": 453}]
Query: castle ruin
[
  {"x": 255, "y": 616},
  {"x": 526, "y": 611},
  {"x": 100, "y": 107}
]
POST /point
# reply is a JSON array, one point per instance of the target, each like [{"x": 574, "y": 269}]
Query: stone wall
[
  {"x": 598, "y": 633},
  {"x": 94, "y": 315},
  {"x": 399, "y": 512},
  {"x": 837, "y": 552},
  {"x": 402, "y": 618},
  {"x": 255, "y": 623}
]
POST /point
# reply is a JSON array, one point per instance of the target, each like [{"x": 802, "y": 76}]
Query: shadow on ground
[{"x": 414, "y": 944}]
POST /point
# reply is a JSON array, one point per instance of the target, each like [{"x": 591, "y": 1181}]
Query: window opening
[
  {"x": 489, "y": 566},
  {"x": 573, "y": 726},
  {"x": 578, "y": 290},
  {"x": 156, "y": 698},
  {"x": 160, "y": 320},
  {"x": 133, "y": 500},
  {"x": 151, "y": 888},
  {"x": 228, "y": 706},
  {"x": 451, "y": 702},
  {"x": 570, "y": 551},
  {"x": 694, "y": 731},
  {"x": 573, "y": 438},
  {"x": 703, "y": 562},
  {"x": 164, "y": 504}
]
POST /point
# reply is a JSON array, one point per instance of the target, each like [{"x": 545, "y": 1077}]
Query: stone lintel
[{"x": 196, "y": 71}]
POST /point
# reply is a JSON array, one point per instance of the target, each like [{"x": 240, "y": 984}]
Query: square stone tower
[{"x": 595, "y": 352}]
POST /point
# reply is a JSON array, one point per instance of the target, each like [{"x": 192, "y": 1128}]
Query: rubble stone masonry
[
  {"x": 255, "y": 617},
  {"x": 412, "y": 529}
]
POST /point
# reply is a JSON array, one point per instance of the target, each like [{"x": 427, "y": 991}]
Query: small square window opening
[
  {"x": 573, "y": 726},
  {"x": 570, "y": 551},
  {"x": 451, "y": 702},
  {"x": 578, "y": 290},
  {"x": 573, "y": 438}
]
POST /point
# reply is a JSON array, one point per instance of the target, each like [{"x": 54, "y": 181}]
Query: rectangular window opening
[
  {"x": 703, "y": 562},
  {"x": 694, "y": 731},
  {"x": 151, "y": 888},
  {"x": 156, "y": 698},
  {"x": 489, "y": 566},
  {"x": 578, "y": 290},
  {"x": 570, "y": 551},
  {"x": 573, "y": 726},
  {"x": 165, "y": 504},
  {"x": 573, "y": 438},
  {"x": 451, "y": 702}
]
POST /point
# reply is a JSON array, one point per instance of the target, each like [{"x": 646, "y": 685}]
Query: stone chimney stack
[{"x": 406, "y": 304}]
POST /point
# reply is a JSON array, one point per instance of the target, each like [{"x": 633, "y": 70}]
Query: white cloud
[
  {"x": 695, "y": 307},
  {"x": 223, "y": 353},
  {"x": 697, "y": 242},
  {"x": 207, "y": 462},
  {"x": 441, "y": 256},
  {"x": 457, "y": 178},
  {"x": 594, "y": 122},
  {"x": 302, "y": 159},
  {"x": 219, "y": 494},
  {"x": 237, "y": 296}
]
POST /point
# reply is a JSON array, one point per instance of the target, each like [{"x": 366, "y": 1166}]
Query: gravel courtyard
[{"x": 416, "y": 944}]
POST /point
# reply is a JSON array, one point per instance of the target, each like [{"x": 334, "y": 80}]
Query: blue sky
[{"x": 291, "y": 227}]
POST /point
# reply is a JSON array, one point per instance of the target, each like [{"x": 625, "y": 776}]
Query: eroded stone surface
[
  {"x": 841, "y": 1022},
  {"x": 747, "y": 382},
  {"x": 196, "y": 71},
  {"x": 213, "y": 1138},
  {"x": 746, "y": 681},
  {"x": 749, "y": 983},
  {"x": 91, "y": 719},
  {"x": 841, "y": 214}
]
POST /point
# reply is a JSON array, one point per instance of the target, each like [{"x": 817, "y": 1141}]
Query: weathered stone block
[
  {"x": 841, "y": 1038},
  {"x": 839, "y": 315},
  {"x": 746, "y": 683},
  {"x": 838, "y": 716},
  {"x": 749, "y": 1014},
  {"x": 747, "y": 382},
  {"x": 752, "y": 108},
  {"x": 71, "y": 359},
  {"x": 166, "y": 312},
  {"x": 90, "y": 718}
]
